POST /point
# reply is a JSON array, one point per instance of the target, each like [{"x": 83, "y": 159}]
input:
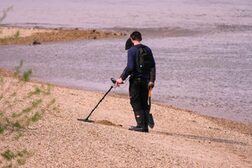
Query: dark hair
[
  {"x": 136, "y": 35},
  {"x": 128, "y": 44}
]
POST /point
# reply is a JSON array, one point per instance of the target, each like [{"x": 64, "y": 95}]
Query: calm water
[{"x": 205, "y": 65}]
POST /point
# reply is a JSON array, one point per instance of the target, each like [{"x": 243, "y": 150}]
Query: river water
[{"x": 203, "y": 50}]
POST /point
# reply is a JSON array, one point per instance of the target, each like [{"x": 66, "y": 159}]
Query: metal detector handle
[
  {"x": 149, "y": 91},
  {"x": 149, "y": 97},
  {"x": 113, "y": 80}
]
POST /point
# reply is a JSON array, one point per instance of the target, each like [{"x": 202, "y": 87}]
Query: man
[{"x": 140, "y": 80}]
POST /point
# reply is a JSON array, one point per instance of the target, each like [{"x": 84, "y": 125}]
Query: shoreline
[
  {"x": 180, "y": 137},
  {"x": 88, "y": 34},
  {"x": 242, "y": 127},
  {"x": 220, "y": 121}
]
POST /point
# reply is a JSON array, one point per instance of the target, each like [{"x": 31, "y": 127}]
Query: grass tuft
[
  {"x": 26, "y": 110},
  {"x": 21, "y": 161},
  {"x": 17, "y": 158},
  {"x": 1, "y": 129},
  {"x": 17, "y": 125},
  {"x": 1, "y": 80},
  {"x": 37, "y": 116},
  {"x": 36, "y": 91},
  {"x": 8, "y": 155},
  {"x": 27, "y": 75},
  {"x": 17, "y": 34},
  {"x": 35, "y": 103},
  {"x": 20, "y": 107}
]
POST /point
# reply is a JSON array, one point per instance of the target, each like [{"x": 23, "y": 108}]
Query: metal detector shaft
[{"x": 99, "y": 103}]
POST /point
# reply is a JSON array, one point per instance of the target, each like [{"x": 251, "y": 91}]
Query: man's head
[{"x": 136, "y": 36}]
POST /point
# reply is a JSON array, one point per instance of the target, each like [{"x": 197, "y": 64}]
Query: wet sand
[
  {"x": 180, "y": 138},
  {"x": 38, "y": 35}
]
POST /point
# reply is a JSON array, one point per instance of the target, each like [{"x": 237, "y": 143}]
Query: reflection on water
[{"x": 203, "y": 50}]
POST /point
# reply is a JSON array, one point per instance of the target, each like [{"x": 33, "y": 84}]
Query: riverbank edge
[{"x": 244, "y": 128}]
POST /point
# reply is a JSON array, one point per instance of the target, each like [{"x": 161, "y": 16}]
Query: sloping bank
[{"x": 56, "y": 139}]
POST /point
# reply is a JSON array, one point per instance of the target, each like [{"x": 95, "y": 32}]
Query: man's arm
[
  {"x": 128, "y": 69},
  {"x": 130, "y": 65}
]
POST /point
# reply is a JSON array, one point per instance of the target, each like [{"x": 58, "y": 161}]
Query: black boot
[
  {"x": 142, "y": 125},
  {"x": 138, "y": 118},
  {"x": 139, "y": 129},
  {"x": 151, "y": 122}
]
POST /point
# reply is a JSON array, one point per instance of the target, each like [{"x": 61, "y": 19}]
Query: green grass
[
  {"x": 35, "y": 103},
  {"x": 8, "y": 155},
  {"x": 2, "y": 128},
  {"x": 1, "y": 80},
  {"x": 17, "y": 158},
  {"x": 36, "y": 91},
  {"x": 2, "y": 125},
  {"x": 17, "y": 34},
  {"x": 36, "y": 117},
  {"x": 20, "y": 108},
  {"x": 21, "y": 161},
  {"x": 26, "y": 110},
  {"x": 23, "y": 153},
  {"x": 27, "y": 75},
  {"x": 17, "y": 125}
]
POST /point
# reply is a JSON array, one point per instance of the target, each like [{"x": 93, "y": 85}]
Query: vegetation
[
  {"x": 21, "y": 104},
  {"x": 17, "y": 34},
  {"x": 15, "y": 158},
  {"x": 20, "y": 107}
]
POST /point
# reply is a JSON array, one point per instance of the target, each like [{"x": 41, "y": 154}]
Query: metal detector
[{"x": 87, "y": 118}]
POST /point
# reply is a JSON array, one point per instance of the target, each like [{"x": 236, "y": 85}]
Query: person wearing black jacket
[{"x": 139, "y": 81}]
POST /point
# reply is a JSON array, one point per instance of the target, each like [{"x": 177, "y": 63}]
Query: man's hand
[
  {"x": 151, "y": 84},
  {"x": 119, "y": 82}
]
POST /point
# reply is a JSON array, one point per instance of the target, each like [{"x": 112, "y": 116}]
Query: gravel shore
[{"x": 180, "y": 138}]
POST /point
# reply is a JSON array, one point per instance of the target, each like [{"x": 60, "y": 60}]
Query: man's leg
[
  {"x": 144, "y": 102},
  {"x": 136, "y": 103}
]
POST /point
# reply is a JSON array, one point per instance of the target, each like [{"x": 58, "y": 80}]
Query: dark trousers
[{"x": 138, "y": 91}]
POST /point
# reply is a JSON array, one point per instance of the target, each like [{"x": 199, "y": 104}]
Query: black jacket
[{"x": 130, "y": 69}]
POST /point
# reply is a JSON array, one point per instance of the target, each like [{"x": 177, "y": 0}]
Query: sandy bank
[
  {"x": 180, "y": 138},
  {"x": 22, "y": 35}
]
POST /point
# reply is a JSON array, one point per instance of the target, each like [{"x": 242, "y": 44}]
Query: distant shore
[{"x": 37, "y": 35}]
